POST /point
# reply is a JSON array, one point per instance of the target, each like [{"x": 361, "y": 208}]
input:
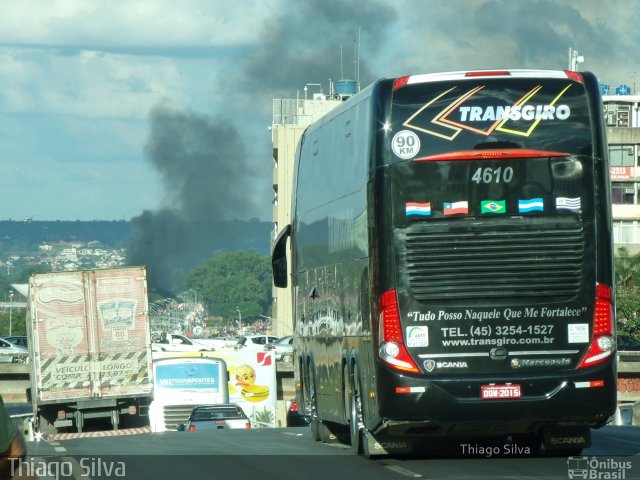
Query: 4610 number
[{"x": 492, "y": 175}]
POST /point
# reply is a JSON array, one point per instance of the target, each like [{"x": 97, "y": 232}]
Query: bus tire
[
  {"x": 312, "y": 406},
  {"x": 355, "y": 415}
]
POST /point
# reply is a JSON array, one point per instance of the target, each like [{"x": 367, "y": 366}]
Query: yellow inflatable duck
[{"x": 245, "y": 379}]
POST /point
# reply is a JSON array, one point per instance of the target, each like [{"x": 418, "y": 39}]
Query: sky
[{"x": 147, "y": 109}]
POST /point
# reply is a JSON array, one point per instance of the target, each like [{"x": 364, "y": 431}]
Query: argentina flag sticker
[{"x": 531, "y": 205}]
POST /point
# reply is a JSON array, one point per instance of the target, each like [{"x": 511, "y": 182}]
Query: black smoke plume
[
  {"x": 208, "y": 183},
  {"x": 212, "y": 173}
]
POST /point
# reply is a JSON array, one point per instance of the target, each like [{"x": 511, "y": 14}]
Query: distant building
[
  {"x": 290, "y": 118},
  {"x": 623, "y": 136}
]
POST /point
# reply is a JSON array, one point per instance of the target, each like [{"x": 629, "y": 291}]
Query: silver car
[
  {"x": 19, "y": 340},
  {"x": 282, "y": 349},
  {"x": 13, "y": 353}
]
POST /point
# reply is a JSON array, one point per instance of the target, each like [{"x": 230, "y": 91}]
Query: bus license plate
[{"x": 489, "y": 392}]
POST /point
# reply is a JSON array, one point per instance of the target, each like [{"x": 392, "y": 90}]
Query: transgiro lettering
[{"x": 517, "y": 112}]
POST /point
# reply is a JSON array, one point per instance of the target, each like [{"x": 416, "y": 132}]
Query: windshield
[{"x": 529, "y": 187}]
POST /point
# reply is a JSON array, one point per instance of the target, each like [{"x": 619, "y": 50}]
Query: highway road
[{"x": 289, "y": 453}]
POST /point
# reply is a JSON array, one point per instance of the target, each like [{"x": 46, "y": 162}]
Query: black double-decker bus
[{"x": 451, "y": 262}]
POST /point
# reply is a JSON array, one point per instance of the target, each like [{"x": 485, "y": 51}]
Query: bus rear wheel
[
  {"x": 355, "y": 415},
  {"x": 311, "y": 407}
]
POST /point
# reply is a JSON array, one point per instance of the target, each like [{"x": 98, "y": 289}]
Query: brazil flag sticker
[{"x": 493, "y": 206}]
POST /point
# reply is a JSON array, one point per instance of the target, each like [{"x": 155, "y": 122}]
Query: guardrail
[{"x": 14, "y": 381}]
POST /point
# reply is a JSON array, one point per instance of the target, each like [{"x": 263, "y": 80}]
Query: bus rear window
[
  {"x": 492, "y": 188},
  {"x": 546, "y": 114}
]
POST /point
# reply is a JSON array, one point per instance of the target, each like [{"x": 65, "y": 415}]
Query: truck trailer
[{"x": 89, "y": 343}]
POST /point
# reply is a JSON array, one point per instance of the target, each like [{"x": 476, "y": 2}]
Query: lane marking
[{"x": 403, "y": 471}]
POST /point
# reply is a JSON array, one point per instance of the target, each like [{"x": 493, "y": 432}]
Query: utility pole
[
  {"x": 10, "y": 311},
  {"x": 574, "y": 59}
]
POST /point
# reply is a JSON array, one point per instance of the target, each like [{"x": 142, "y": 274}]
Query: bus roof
[{"x": 517, "y": 73}]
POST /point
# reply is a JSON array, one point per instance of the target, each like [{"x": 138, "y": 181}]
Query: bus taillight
[
  {"x": 574, "y": 76},
  {"x": 400, "y": 82},
  {"x": 602, "y": 342},
  {"x": 487, "y": 73},
  {"x": 391, "y": 347}
]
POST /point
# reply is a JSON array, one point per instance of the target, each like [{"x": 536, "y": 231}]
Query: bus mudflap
[
  {"x": 384, "y": 444},
  {"x": 566, "y": 438}
]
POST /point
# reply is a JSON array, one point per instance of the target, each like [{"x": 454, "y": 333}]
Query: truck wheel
[
  {"x": 79, "y": 420},
  {"x": 115, "y": 418}
]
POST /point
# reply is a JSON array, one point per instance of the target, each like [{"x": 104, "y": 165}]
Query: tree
[
  {"x": 233, "y": 281},
  {"x": 17, "y": 320},
  {"x": 628, "y": 310},
  {"x": 627, "y": 267},
  {"x": 627, "y": 291}
]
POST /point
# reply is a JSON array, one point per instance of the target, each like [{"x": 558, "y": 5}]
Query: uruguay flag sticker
[{"x": 566, "y": 203}]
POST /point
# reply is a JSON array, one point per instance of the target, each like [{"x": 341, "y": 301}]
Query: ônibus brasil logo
[{"x": 597, "y": 468}]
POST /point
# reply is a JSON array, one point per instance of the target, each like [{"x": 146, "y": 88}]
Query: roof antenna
[{"x": 358, "y": 59}]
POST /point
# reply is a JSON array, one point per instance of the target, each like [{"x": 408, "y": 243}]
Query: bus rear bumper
[{"x": 454, "y": 406}]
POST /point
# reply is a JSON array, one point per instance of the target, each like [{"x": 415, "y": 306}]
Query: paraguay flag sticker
[
  {"x": 531, "y": 205},
  {"x": 421, "y": 209}
]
